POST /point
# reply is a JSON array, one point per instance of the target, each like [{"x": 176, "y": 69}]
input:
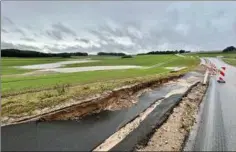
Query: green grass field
[
  {"x": 147, "y": 60},
  {"x": 31, "y": 82},
  {"x": 25, "y": 94},
  {"x": 13, "y": 84},
  {"x": 231, "y": 61}
]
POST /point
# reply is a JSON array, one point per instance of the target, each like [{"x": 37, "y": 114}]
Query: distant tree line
[
  {"x": 165, "y": 52},
  {"x": 26, "y": 53},
  {"x": 126, "y": 56},
  {"x": 229, "y": 49},
  {"x": 111, "y": 54}
]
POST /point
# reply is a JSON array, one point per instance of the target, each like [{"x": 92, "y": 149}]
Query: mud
[{"x": 172, "y": 134}]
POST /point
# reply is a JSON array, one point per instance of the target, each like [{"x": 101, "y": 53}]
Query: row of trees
[
  {"x": 26, "y": 53},
  {"x": 229, "y": 49},
  {"x": 111, "y": 54},
  {"x": 165, "y": 52}
]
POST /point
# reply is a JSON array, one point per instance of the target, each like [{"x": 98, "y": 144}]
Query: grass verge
[{"x": 231, "y": 61}]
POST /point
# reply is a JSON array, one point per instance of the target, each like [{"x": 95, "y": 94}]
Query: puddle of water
[
  {"x": 54, "y": 65},
  {"x": 175, "y": 68},
  {"x": 93, "y": 68}
]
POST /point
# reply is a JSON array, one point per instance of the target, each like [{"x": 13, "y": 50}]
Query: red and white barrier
[{"x": 222, "y": 74}]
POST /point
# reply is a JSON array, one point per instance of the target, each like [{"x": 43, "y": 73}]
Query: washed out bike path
[{"x": 85, "y": 134}]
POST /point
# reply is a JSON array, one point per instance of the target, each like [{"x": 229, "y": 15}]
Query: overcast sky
[{"x": 131, "y": 27}]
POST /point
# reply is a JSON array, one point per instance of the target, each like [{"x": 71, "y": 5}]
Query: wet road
[{"x": 217, "y": 131}]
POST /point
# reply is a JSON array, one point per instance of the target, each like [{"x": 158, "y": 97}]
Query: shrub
[
  {"x": 126, "y": 56},
  {"x": 61, "y": 89}
]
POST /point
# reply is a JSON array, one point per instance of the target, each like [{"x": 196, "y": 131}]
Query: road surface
[{"x": 217, "y": 130}]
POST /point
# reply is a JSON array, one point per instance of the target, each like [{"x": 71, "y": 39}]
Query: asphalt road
[{"x": 217, "y": 131}]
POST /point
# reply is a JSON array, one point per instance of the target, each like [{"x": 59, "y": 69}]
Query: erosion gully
[{"x": 53, "y": 132}]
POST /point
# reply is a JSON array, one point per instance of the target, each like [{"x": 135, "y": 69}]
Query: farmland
[
  {"x": 26, "y": 82},
  {"x": 23, "y": 94}
]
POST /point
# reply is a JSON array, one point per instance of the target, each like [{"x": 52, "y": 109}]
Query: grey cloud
[
  {"x": 98, "y": 34},
  {"x": 104, "y": 32},
  {"x": 7, "y": 21},
  {"x": 28, "y": 47},
  {"x": 4, "y": 30},
  {"x": 62, "y": 28},
  {"x": 7, "y": 45},
  {"x": 59, "y": 31},
  {"x": 173, "y": 16},
  {"x": 18, "y": 30},
  {"x": 82, "y": 40},
  {"x": 234, "y": 27},
  {"x": 57, "y": 35},
  {"x": 220, "y": 14},
  {"x": 36, "y": 34},
  {"x": 155, "y": 37},
  {"x": 133, "y": 23},
  {"x": 75, "y": 48},
  {"x": 29, "y": 27},
  {"x": 111, "y": 44},
  {"x": 158, "y": 23},
  {"x": 85, "y": 40},
  {"x": 114, "y": 47},
  {"x": 28, "y": 39},
  {"x": 54, "y": 49}
]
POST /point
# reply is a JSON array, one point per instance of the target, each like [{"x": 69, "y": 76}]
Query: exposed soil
[
  {"x": 173, "y": 133},
  {"x": 110, "y": 100}
]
